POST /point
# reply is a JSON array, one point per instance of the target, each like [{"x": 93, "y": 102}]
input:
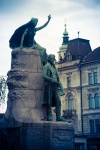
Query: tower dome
[{"x": 63, "y": 47}]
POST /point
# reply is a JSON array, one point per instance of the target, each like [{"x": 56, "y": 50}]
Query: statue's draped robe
[
  {"x": 28, "y": 40},
  {"x": 15, "y": 40}
]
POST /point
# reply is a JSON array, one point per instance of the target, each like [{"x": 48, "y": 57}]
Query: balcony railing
[{"x": 69, "y": 113}]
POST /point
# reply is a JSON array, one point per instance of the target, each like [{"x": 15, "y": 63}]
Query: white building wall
[{"x": 86, "y": 90}]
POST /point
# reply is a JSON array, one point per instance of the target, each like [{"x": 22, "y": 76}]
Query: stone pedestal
[
  {"x": 25, "y": 85},
  {"x": 26, "y": 128},
  {"x": 38, "y": 136},
  {"x": 47, "y": 136}
]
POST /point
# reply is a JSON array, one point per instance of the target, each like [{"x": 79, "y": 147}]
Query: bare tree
[{"x": 3, "y": 91}]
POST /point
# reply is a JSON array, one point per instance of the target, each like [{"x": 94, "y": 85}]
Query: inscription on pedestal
[
  {"x": 62, "y": 138},
  {"x": 62, "y": 134}
]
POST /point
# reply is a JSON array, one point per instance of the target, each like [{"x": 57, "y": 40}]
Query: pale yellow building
[{"x": 79, "y": 71}]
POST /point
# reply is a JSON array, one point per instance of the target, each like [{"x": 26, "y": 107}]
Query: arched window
[
  {"x": 70, "y": 102},
  {"x": 96, "y": 100},
  {"x": 91, "y": 104}
]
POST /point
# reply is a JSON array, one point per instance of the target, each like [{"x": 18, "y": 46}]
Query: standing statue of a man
[{"x": 52, "y": 89}]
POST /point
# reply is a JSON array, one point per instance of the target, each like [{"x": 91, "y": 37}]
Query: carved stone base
[{"x": 25, "y": 84}]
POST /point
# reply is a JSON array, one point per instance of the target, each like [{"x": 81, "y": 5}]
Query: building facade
[{"x": 79, "y": 71}]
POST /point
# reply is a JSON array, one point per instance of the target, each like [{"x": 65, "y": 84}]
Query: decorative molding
[
  {"x": 17, "y": 64},
  {"x": 15, "y": 84},
  {"x": 92, "y": 69},
  {"x": 13, "y": 73},
  {"x": 93, "y": 90},
  {"x": 69, "y": 90},
  {"x": 17, "y": 79},
  {"x": 17, "y": 95},
  {"x": 91, "y": 85},
  {"x": 88, "y": 65},
  {"x": 69, "y": 73}
]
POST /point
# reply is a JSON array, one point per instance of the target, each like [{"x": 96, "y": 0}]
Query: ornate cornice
[{"x": 93, "y": 90}]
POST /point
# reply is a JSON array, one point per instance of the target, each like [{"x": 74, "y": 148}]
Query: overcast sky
[{"x": 80, "y": 15}]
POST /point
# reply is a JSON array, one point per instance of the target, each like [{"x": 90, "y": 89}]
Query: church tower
[{"x": 63, "y": 48}]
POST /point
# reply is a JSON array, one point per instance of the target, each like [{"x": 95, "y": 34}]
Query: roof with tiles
[
  {"x": 93, "y": 55},
  {"x": 78, "y": 47}
]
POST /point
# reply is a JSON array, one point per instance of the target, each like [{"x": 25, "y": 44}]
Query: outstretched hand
[{"x": 49, "y": 17}]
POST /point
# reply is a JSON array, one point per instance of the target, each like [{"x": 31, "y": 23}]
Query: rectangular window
[
  {"x": 90, "y": 78},
  {"x": 91, "y": 102},
  {"x": 95, "y": 77},
  {"x": 91, "y": 126},
  {"x": 68, "y": 82},
  {"x": 97, "y": 125},
  {"x": 96, "y": 100}
]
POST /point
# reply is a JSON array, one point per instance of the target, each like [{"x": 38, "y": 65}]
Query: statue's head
[
  {"x": 51, "y": 58},
  {"x": 34, "y": 21}
]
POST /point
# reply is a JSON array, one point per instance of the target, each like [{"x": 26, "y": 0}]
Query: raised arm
[{"x": 43, "y": 26}]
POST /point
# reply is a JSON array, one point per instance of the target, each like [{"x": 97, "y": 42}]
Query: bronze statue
[
  {"x": 24, "y": 37},
  {"x": 52, "y": 89}
]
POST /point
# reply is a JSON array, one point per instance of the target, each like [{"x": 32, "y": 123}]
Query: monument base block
[
  {"x": 38, "y": 136},
  {"x": 47, "y": 136}
]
